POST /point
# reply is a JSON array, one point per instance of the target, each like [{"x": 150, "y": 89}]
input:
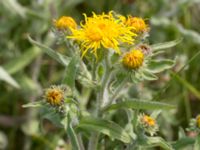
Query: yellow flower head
[
  {"x": 198, "y": 121},
  {"x": 103, "y": 30},
  {"x": 147, "y": 120},
  {"x": 138, "y": 24},
  {"x": 65, "y": 22},
  {"x": 54, "y": 96},
  {"x": 133, "y": 59}
]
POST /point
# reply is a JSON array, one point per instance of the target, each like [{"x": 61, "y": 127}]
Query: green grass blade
[{"x": 186, "y": 84}]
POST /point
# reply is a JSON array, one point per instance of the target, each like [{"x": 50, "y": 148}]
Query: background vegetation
[{"x": 25, "y": 70}]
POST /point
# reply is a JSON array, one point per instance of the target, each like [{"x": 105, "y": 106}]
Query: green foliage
[
  {"x": 106, "y": 127},
  {"x": 141, "y": 104},
  {"x": 33, "y": 56}
]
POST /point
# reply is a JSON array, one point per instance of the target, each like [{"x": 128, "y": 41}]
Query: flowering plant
[{"x": 108, "y": 56}]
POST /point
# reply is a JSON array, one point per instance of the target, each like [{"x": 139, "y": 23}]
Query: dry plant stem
[{"x": 95, "y": 136}]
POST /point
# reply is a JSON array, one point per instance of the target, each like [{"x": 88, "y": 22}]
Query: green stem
[
  {"x": 94, "y": 69},
  {"x": 187, "y": 105},
  {"x": 136, "y": 113},
  {"x": 93, "y": 141}
]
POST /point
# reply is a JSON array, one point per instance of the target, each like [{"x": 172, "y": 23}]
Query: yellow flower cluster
[
  {"x": 107, "y": 31},
  {"x": 133, "y": 59},
  {"x": 54, "y": 96}
]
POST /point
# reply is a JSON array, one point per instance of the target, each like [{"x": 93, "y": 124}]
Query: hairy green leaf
[
  {"x": 158, "y": 141},
  {"x": 72, "y": 135},
  {"x": 165, "y": 45},
  {"x": 140, "y": 104},
  {"x": 156, "y": 66},
  {"x": 64, "y": 60},
  {"x": 109, "y": 128},
  {"x": 33, "y": 104},
  {"x": 71, "y": 71},
  {"x": 147, "y": 75},
  {"x": 183, "y": 142}
]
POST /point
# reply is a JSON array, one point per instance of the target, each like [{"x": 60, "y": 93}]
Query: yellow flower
[
  {"x": 198, "y": 121},
  {"x": 102, "y": 31},
  {"x": 54, "y": 96},
  {"x": 133, "y": 59},
  {"x": 65, "y": 22},
  {"x": 148, "y": 120},
  {"x": 138, "y": 24}
]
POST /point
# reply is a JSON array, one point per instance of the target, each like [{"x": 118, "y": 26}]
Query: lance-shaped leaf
[
  {"x": 156, "y": 66},
  {"x": 64, "y": 60},
  {"x": 72, "y": 135},
  {"x": 7, "y": 78},
  {"x": 33, "y": 104},
  {"x": 148, "y": 75},
  {"x": 183, "y": 142},
  {"x": 140, "y": 104},
  {"x": 165, "y": 45},
  {"x": 158, "y": 141},
  {"x": 106, "y": 127},
  {"x": 71, "y": 71}
]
